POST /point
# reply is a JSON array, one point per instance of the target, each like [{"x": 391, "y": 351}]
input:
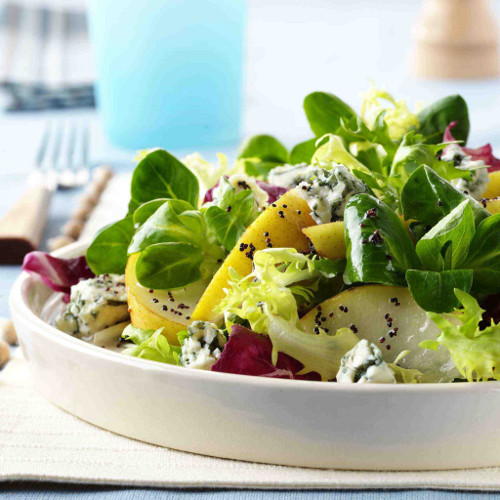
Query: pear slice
[
  {"x": 153, "y": 309},
  {"x": 392, "y": 320}
]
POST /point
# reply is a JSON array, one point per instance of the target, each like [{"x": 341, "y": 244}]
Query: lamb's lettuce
[
  {"x": 150, "y": 344},
  {"x": 171, "y": 265},
  {"x": 475, "y": 352},
  {"x": 436, "y": 117},
  {"x": 161, "y": 175},
  {"x": 325, "y": 111},
  {"x": 260, "y": 154},
  {"x": 108, "y": 251},
  {"x": 230, "y": 214},
  {"x": 484, "y": 256},
  {"x": 173, "y": 221},
  {"x": 427, "y": 197},
  {"x": 302, "y": 152},
  {"x": 146, "y": 210},
  {"x": 446, "y": 245},
  {"x": 378, "y": 247},
  {"x": 433, "y": 290}
]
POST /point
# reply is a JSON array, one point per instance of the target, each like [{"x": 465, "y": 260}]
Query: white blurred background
[{"x": 294, "y": 47}]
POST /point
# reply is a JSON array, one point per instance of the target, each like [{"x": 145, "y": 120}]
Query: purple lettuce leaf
[
  {"x": 248, "y": 353},
  {"x": 484, "y": 153},
  {"x": 58, "y": 274}
]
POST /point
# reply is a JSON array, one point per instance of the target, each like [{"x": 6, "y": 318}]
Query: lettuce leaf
[
  {"x": 151, "y": 344},
  {"x": 475, "y": 352}
]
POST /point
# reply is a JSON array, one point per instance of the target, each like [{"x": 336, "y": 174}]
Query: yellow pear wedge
[
  {"x": 280, "y": 225},
  {"x": 493, "y": 189}
]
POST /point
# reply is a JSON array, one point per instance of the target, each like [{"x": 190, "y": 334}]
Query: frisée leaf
[
  {"x": 150, "y": 344},
  {"x": 475, "y": 352}
]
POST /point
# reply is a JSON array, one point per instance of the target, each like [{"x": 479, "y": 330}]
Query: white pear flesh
[{"x": 373, "y": 312}]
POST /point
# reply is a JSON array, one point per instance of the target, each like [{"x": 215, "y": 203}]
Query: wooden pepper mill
[{"x": 456, "y": 39}]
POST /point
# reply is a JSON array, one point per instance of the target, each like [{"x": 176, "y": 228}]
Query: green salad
[{"x": 368, "y": 253}]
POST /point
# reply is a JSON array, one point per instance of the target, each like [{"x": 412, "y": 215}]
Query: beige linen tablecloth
[{"x": 38, "y": 441}]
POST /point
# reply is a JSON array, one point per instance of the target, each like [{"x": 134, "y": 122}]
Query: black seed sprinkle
[
  {"x": 353, "y": 328},
  {"x": 155, "y": 301},
  {"x": 376, "y": 238},
  {"x": 299, "y": 212},
  {"x": 381, "y": 340},
  {"x": 388, "y": 347},
  {"x": 284, "y": 206},
  {"x": 266, "y": 234},
  {"x": 228, "y": 208}
]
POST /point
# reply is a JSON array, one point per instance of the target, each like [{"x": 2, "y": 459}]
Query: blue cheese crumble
[
  {"x": 476, "y": 186},
  {"x": 290, "y": 176},
  {"x": 95, "y": 304},
  {"x": 364, "y": 364},
  {"x": 327, "y": 191},
  {"x": 204, "y": 345}
]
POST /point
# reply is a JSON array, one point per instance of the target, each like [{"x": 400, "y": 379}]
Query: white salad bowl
[{"x": 288, "y": 422}]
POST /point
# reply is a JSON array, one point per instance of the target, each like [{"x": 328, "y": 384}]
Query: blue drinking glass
[{"x": 169, "y": 71}]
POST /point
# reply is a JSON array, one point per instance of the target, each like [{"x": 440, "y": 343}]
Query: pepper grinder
[{"x": 456, "y": 39}]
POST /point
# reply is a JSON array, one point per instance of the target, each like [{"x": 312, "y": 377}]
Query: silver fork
[{"x": 62, "y": 161}]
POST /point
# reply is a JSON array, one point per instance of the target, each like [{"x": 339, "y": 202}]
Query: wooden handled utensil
[{"x": 61, "y": 162}]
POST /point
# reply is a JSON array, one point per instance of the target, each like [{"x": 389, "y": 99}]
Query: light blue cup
[{"x": 169, "y": 71}]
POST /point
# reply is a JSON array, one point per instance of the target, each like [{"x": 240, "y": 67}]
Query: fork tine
[
  {"x": 85, "y": 145},
  {"x": 56, "y": 151},
  {"x": 42, "y": 150},
  {"x": 70, "y": 159}
]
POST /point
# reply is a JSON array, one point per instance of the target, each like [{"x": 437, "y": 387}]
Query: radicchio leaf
[
  {"x": 273, "y": 192},
  {"x": 491, "y": 306},
  {"x": 58, "y": 274},
  {"x": 484, "y": 153},
  {"x": 248, "y": 353}
]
